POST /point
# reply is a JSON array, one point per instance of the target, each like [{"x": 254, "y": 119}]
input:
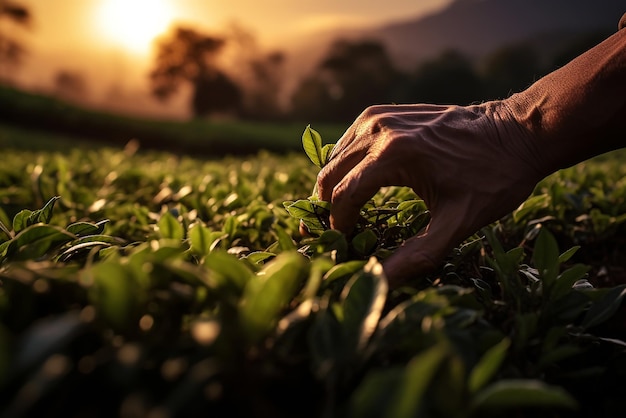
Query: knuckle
[
  {"x": 372, "y": 111},
  {"x": 376, "y": 119}
]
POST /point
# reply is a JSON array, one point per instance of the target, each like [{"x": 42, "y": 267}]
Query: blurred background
[{"x": 319, "y": 61}]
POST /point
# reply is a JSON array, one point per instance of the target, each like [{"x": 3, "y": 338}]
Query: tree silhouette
[
  {"x": 70, "y": 85},
  {"x": 11, "y": 49},
  {"x": 186, "y": 56},
  {"x": 448, "y": 79},
  {"x": 511, "y": 69},
  {"x": 353, "y": 75},
  {"x": 264, "y": 86}
]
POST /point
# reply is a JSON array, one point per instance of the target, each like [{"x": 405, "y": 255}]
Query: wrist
[{"x": 576, "y": 112}]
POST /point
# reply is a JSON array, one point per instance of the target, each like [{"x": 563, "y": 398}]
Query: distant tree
[
  {"x": 511, "y": 69},
  {"x": 579, "y": 45},
  {"x": 263, "y": 93},
  {"x": 70, "y": 84},
  {"x": 11, "y": 49},
  {"x": 353, "y": 75},
  {"x": 186, "y": 56},
  {"x": 449, "y": 78}
]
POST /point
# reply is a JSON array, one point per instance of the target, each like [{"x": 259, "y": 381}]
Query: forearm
[{"x": 579, "y": 110}]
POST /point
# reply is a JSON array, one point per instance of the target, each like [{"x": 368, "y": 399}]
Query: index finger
[{"x": 352, "y": 192}]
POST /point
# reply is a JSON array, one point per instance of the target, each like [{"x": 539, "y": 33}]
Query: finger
[
  {"x": 424, "y": 253},
  {"x": 352, "y": 192},
  {"x": 335, "y": 171},
  {"x": 335, "y": 168}
]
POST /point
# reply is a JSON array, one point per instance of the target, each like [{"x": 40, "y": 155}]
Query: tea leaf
[
  {"x": 116, "y": 294},
  {"x": 268, "y": 293},
  {"x": 515, "y": 394},
  {"x": 325, "y": 155},
  {"x": 344, "y": 269},
  {"x": 568, "y": 254},
  {"x": 398, "y": 392},
  {"x": 35, "y": 241},
  {"x": 20, "y": 220},
  {"x": 546, "y": 257},
  {"x": 44, "y": 214},
  {"x": 312, "y": 143},
  {"x": 227, "y": 270},
  {"x": 83, "y": 228},
  {"x": 488, "y": 365},
  {"x": 302, "y": 209},
  {"x": 285, "y": 243},
  {"x": 603, "y": 309},
  {"x": 566, "y": 280},
  {"x": 531, "y": 205},
  {"x": 365, "y": 242},
  {"x": 363, "y": 301},
  {"x": 169, "y": 227},
  {"x": 203, "y": 240}
]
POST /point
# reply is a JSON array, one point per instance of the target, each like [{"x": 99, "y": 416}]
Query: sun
[{"x": 133, "y": 24}]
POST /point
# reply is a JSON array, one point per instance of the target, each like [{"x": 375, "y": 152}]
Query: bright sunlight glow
[{"x": 133, "y": 24}]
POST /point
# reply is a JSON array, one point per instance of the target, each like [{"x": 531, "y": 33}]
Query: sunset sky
[
  {"x": 65, "y": 22},
  {"x": 112, "y": 38}
]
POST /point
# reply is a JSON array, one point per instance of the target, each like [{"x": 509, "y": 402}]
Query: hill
[{"x": 477, "y": 27}]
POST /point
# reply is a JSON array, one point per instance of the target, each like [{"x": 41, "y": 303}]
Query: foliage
[
  {"x": 334, "y": 92},
  {"x": 149, "y": 284},
  {"x": 188, "y": 56},
  {"x": 11, "y": 48}
]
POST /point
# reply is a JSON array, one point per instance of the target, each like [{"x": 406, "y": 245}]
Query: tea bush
[{"x": 144, "y": 284}]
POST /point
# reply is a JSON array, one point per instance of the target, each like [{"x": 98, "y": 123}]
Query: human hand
[{"x": 471, "y": 165}]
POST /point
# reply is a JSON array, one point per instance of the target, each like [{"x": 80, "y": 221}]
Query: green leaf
[
  {"x": 568, "y": 254},
  {"x": 34, "y": 241},
  {"x": 81, "y": 248},
  {"x": 365, "y": 242},
  {"x": 228, "y": 270},
  {"x": 605, "y": 307},
  {"x": 257, "y": 257},
  {"x": 303, "y": 209},
  {"x": 285, "y": 242},
  {"x": 363, "y": 300},
  {"x": 268, "y": 293},
  {"x": 347, "y": 268},
  {"x": 116, "y": 294},
  {"x": 566, "y": 280},
  {"x": 26, "y": 218},
  {"x": 318, "y": 267},
  {"x": 398, "y": 392},
  {"x": 312, "y": 143},
  {"x": 326, "y": 151},
  {"x": 20, "y": 220},
  {"x": 546, "y": 257},
  {"x": 532, "y": 205},
  {"x": 83, "y": 228},
  {"x": 488, "y": 365},
  {"x": 201, "y": 239},
  {"x": 328, "y": 352},
  {"x": 44, "y": 214},
  {"x": 169, "y": 227},
  {"x": 514, "y": 394},
  {"x": 332, "y": 240},
  {"x": 108, "y": 239}
]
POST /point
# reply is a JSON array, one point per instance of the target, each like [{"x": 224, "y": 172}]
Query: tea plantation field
[{"x": 145, "y": 284}]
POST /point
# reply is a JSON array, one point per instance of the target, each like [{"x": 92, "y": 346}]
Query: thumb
[{"x": 423, "y": 253}]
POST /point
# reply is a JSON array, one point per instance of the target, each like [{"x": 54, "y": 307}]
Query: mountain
[{"x": 477, "y": 27}]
